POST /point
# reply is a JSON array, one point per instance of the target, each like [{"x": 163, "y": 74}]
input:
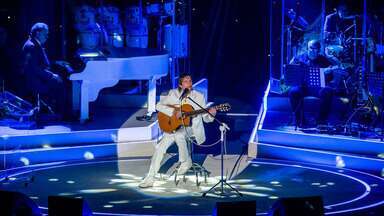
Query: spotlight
[
  {"x": 89, "y": 155},
  {"x": 340, "y": 162},
  {"x": 25, "y": 161}
]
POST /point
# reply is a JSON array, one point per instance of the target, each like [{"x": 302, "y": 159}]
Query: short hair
[
  {"x": 182, "y": 76},
  {"x": 37, "y": 27}
]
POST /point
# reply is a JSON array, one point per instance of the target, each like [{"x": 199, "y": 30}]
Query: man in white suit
[{"x": 179, "y": 136}]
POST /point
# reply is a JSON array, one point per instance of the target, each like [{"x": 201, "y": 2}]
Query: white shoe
[
  {"x": 184, "y": 167},
  {"x": 147, "y": 182}
]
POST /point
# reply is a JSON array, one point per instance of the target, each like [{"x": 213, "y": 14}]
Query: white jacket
[{"x": 197, "y": 122}]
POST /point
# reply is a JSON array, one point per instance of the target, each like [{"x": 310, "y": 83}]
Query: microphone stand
[{"x": 223, "y": 130}]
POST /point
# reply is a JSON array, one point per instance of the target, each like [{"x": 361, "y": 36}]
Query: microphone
[{"x": 184, "y": 93}]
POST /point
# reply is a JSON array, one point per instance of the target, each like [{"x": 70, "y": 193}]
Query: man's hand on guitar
[
  {"x": 213, "y": 111},
  {"x": 177, "y": 112}
]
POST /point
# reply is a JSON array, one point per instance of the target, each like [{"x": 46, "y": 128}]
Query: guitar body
[{"x": 170, "y": 124}]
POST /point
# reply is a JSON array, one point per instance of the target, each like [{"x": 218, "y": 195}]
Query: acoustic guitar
[{"x": 170, "y": 124}]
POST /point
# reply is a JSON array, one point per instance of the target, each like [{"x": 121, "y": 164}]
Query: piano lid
[
  {"x": 119, "y": 52},
  {"x": 126, "y": 52}
]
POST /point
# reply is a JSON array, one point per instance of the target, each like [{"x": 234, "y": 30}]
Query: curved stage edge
[{"x": 111, "y": 187}]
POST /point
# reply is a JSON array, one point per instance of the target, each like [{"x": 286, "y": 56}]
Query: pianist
[
  {"x": 40, "y": 80},
  {"x": 311, "y": 58}
]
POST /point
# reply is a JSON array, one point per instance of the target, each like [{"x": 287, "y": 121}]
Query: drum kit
[
  {"x": 352, "y": 50},
  {"x": 334, "y": 51}
]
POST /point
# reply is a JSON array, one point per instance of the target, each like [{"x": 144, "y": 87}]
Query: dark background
[{"x": 229, "y": 38}]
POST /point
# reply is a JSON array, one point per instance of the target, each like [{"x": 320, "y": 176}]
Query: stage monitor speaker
[
  {"x": 243, "y": 208},
  {"x": 17, "y": 204},
  {"x": 298, "y": 206},
  {"x": 64, "y": 206}
]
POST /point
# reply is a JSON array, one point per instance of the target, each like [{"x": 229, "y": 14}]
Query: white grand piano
[{"x": 105, "y": 70}]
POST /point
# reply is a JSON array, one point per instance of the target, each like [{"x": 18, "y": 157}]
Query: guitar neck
[{"x": 196, "y": 112}]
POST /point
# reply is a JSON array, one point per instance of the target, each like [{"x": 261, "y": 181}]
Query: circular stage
[{"x": 111, "y": 187}]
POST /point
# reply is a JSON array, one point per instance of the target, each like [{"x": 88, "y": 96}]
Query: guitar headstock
[{"x": 225, "y": 107}]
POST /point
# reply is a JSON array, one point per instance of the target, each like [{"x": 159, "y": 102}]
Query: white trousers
[{"x": 179, "y": 137}]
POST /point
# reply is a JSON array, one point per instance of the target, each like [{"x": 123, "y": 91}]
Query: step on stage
[{"x": 112, "y": 132}]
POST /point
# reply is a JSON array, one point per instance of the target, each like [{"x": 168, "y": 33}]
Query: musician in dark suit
[
  {"x": 336, "y": 25},
  {"x": 312, "y": 58},
  {"x": 40, "y": 80}
]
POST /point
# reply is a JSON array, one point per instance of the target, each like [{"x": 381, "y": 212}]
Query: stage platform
[
  {"x": 104, "y": 160},
  {"x": 275, "y": 139},
  {"x": 111, "y": 186},
  {"x": 111, "y": 133}
]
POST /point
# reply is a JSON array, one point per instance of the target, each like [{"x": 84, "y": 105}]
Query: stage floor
[{"x": 111, "y": 186}]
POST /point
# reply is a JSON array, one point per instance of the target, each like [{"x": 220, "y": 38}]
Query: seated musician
[
  {"x": 180, "y": 135},
  {"x": 339, "y": 32},
  {"x": 40, "y": 80},
  {"x": 337, "y": 25},
  {"x": 312, "y": 58}
]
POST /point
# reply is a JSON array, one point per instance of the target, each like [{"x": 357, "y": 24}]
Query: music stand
[
  {"x": 299, "y": 75},
  {"x": 223, "y": 140}
]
